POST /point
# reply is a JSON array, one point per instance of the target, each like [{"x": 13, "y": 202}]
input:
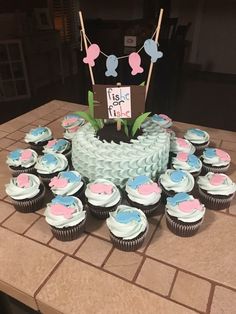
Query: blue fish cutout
[
  {"x": 151, "y": 49},
  {"x": 63, "y": 200},
  {"x": 193, "y": 161},
  {"x": 137, "y": 181},
  {"x": 198, "y": 132},
  {"x": 178, "y": 198},
  {"x": 70, "y": 176},
  {"x": 38, "y": 131},
  {"x": 177, "y": 175},
  {"x": 126, "y": 217},
  {"x": 210, "y": 152},
  {"x": 15, "y": 155},
  {"x": 49, "y": 159},
  {"x": 156, "y": 117},
  {"x": 111, "y": 64},
  {"x": 59, "y": 145}
]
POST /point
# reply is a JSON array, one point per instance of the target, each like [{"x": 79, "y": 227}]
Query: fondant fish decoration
[
  {"x": 92, "y": 54},
  {"x": 151, "y": 49},
  {"x": 134, "y": 62},
  {"x": 111, "y": 64}
]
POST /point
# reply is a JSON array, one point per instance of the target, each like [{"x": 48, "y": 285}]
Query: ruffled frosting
[
  {"x": 187, "y": 162},
  {"x": 177, "y": 180},
  {"x": 215, "y": 157},
  {"x": 24, "y": 186},
  {"x": 179, "y": 144},
  {"x": 51, "y": 163},
  {"x": 66, "y": 183},
  {"x": 57, "y": 146},
  {"x": 64, "y": 211},
  {"x": 162, "y": 120},
  {"x": 38, "y": 135},
  {"x": 127, "y": 222},
  {"x": 185, "y": 208},
  {"x": 102, "y": 193},
  {"x": 24, "y": 158},
  {"x": 217, "y": 184},
  {"x": 197, "y": 136},
  {"x": 143, "y": 190}
]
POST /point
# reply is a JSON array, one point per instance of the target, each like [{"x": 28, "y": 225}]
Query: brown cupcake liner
[
  {"x": 200, "y": 148},
  {"x": 38, "y": 147},
  {"x": 129, "y": 245},
  {"x": 214, "y": 201},
  {"x": 16, "y": 172},
  {"x": 101, "y": 212},
  {"x": 30, "y": 205},
  {"x": 206, "y": 169},
  {"x": 180, "y": 228},
  {"x": 149, "y": 210},
  {"x": 69, "y": 233},
  {"x": 46, "y": 178}
]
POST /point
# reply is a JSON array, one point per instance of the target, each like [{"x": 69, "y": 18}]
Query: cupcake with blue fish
[
  {"x": 162, "y": 120},
  {"x": 66, "y": 217},
  {"x": 184, "y": 214},
  {"x": 215, "y": 160},
  {"x": 187, "y": 162},
  {"x": 58, "y": 146},
  {"x": 143, "y": 193},
  {"x": 38, "y": 137},
  {"x": 128, "y": 227},
  {"x": 71, "y": 124},
  {"x": 22, "y": 161},
  {"x": 199, "y": 138}
]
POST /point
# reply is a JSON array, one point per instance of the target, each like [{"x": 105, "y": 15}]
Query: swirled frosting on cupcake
[
  {"x": 38, "y": 135},
  {"x": 215, "y": 157},
  {"x": 162, "y": 120},
  {"x": 197, "y": 136},
  {"x": 188, "y": 162},
  {"x": 24, "y": 158},
  {"x": 185, "y": 208},
  {"x": 177, "y": 180},
  {"x": 64, "y": 211},
  {"x": 127, "y": 222},
  {"x": 57, "y": 146},
  {"x": 179, "y": 144},
  {"x": 24, "y": 186},
  {"x": 66, "y": 183},
  {"x": 143, "y": 190},
  {"x": 102, "y": 193},
  {"x": 51, "y": 163},
  {"x": 216, "y": 184},
  {"x": 71, "y": 123}
]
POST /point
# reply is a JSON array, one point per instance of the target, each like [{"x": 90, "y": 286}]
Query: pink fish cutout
[
  {"x": 217, "y": 179},
  {"x": 51, "y": 143},
  {"x": 58, "y": 182},
  {"x": 74, "y": 129},
  {"x": 61, "y": 210},
  {"x": 189, "y": 206},
  {"x": 23, "y": 180},
  {"x": 146, "y": 189},
  {"x": 134, "y": 62},
  {"x": 69, "y": 121},
  {"x": 223, "y": 155},
  {"x": 182, "y": 156},
  {"x": 92, "y": 54},
  {"x": 182, "y": 142},
  {"x": 26, "y": 154},
  {"x": 164, "y": 116},
  {"x": 100, "y": 188}
]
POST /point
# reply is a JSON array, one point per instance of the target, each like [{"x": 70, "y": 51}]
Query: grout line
[
  {"x": 107, "y": 257},
  {"x": 153, "y": 234},
  {"x": 173, "y": 282},
  {"x": 31, "y": 224},
  {"x": 75, "y": 252},
  {"x": 138, "y": 269},
  {"x": 210, "y": 298},
  {"x": 1, "y": 224}
]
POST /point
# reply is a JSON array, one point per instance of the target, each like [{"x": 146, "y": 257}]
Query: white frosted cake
[{"x": 147, "y": 155}]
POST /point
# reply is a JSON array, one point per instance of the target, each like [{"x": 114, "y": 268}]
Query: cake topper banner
[{"x": 112, "y": 101}]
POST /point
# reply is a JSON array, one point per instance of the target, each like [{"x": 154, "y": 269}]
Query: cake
[
  {"x": 215, "y": 160},
  {"x": 128, "y": 228},
  {"x": 38, "y": 137},
  {"x": 143, "y": 193},
  {"x": 184, "y": 214},
  {"x": 199, "y": 138},
  {"x": 187, "y": 162}
]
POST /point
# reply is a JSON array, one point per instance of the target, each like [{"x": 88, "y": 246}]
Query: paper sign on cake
[{"x": 118, "y": 102}]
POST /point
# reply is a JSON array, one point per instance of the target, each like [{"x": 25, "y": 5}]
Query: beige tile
[
  {"x": 4, "y": 173},
  {"x": 41, "y": 122},
  {"x": 49, "y": 117},
  {"x": 6, "y": 142},
  {"x": 74, "y": 107},
  {"x": 68, "y": 247},
  {"x": 156, "y": 276},
  {"x": 215, "y": 142},
  {"x": 56, "y": 128},
  {"x": 94, "y": 250},
  {"x": 17, "y": 145},
  {"x": 16, "y": 135},
  {"x": 27, "y": 128},
  {"x": 5, "y": 210},
  {"x": 191, "y": 291},
  {"x": 97, "y": 227},
  {"x": 232, "y": 208},
  {"x": 40, "y": 231},
  {"x": 228, "y": 145},
  {"x": 124, "y": 264},
  {"x": 24, "y": 265},
  {"x": 224, "y": 301},
  {"x": 213, "y": 247},
  {"x": 85, "y": 289},
  {"x": 3, "y": 134},
  {"x": 19, "y": 222}
]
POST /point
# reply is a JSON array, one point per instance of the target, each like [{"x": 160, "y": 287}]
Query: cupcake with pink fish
[
  {"x": 162, "y": 120},
  {"x": 58, "y": 146},
  {"x": 187, "y": 162},
  {"x": 71, "y": 123},
  {"x": 215, "y": 160},
  {"x": 179, "y": 144}
]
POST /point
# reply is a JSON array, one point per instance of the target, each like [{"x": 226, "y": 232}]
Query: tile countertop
[{"x": 167, "y": 275}]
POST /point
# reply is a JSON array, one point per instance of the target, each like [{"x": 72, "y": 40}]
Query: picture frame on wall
[{"x": 43, "y": 19}]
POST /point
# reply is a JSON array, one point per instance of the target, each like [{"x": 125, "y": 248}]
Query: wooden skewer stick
[
  {"x": 156, "y": 40},
  {"x": 118, "y": 122},
  {"x": 86, "y": 45}
]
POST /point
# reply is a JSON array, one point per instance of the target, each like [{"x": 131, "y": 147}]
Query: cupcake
[
  {"x": 143, "y": 193},
  {"x": 175, "y": 181},
  {"x": 128, "y": 227},
  {"x": 216, "y": 190},
  {"x": 27, "y": 192},
  {"x": 215, "y": 160},
  {"x": 162, "y": 120},
  {"x": 184, "y": 214},
  {"x": 102, "y": 197},
  {"x": 58, "y": 146},
  {"x": 187, "y": 162},
  {"x": 22, "y": 161},
  {"x": 71, "y": 123},
  {"x": 49, "y": 165},
  {"x": 66, "y": 217},
  {"x": 199, "y": 138},
  {"x": 68, "y": 183},
  {"x": 38, "y": 137},
  {"x": 179, "y": 144}
]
